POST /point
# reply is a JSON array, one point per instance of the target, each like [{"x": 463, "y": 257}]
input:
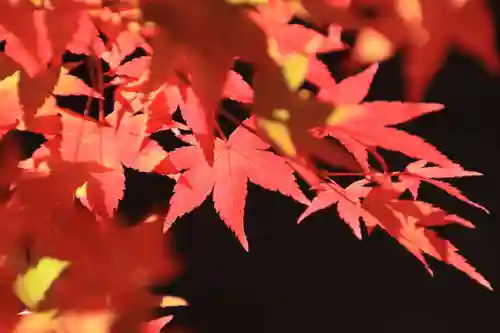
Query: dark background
[{"x": 316, "y": 276}]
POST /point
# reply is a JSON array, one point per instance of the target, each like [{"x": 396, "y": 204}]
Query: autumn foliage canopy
[{"x": 99, "y": 78}]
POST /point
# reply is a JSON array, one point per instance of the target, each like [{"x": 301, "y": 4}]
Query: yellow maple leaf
[
  {"x": 32, "y": 286},
  {"x": 170, "y": 301}
]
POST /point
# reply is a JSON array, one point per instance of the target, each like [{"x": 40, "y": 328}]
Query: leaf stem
[{"x": 220, "y": 131}]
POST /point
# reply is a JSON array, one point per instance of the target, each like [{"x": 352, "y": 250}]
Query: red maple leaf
[
  {"x": 277, "y": 10},
  {"x": 9, "y": 101},
  {"x": 417, "y": 27},
  {"x": 422, "y": 60},
  {"x": 155, "y": 326},
  {"x": 179, "y": 94},
  {"x": 20, "y": 25},
  {"x": 193, "y": 111},
  {"x": 85, "y": 39},
  {"x": 11, "y": 264},
  {"x": 294, "y": 38},
  {"x": 125, "y": 44},
  {"x": 187, "y": 65},
  {"x": 177, "y": 47},
  {"x": 99, "y": 253},
  {"x": 402, "y": 224},
  {"x": 418, "y": 168},
  {"x": 111, "y": 147},
  {"x": 243, "y": 157},
  {"x": 347, "y": 200},
  {"x": 31, "y": 99},
  {"x": 63, "y": 20},
  {"x": 405, "y": 220},
  {"x": 362, "y": 126},
  {"x": 39, "y": 33}
]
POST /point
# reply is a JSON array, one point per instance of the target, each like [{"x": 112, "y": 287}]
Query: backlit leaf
[{"x": 32, "y": 286}]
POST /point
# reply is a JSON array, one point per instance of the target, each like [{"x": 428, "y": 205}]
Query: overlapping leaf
[
  {"x": 111, "y": 147},
  {"x": 242, "y": 158},
  {"x": 405, "y": 220},
  {"x": 360, "y": 125},
  {"x": 187, "y": 64},
  {"x": 417, "y": 27}
]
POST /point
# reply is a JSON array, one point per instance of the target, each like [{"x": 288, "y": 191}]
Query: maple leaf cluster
[{"x": 137, "y": 66}]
